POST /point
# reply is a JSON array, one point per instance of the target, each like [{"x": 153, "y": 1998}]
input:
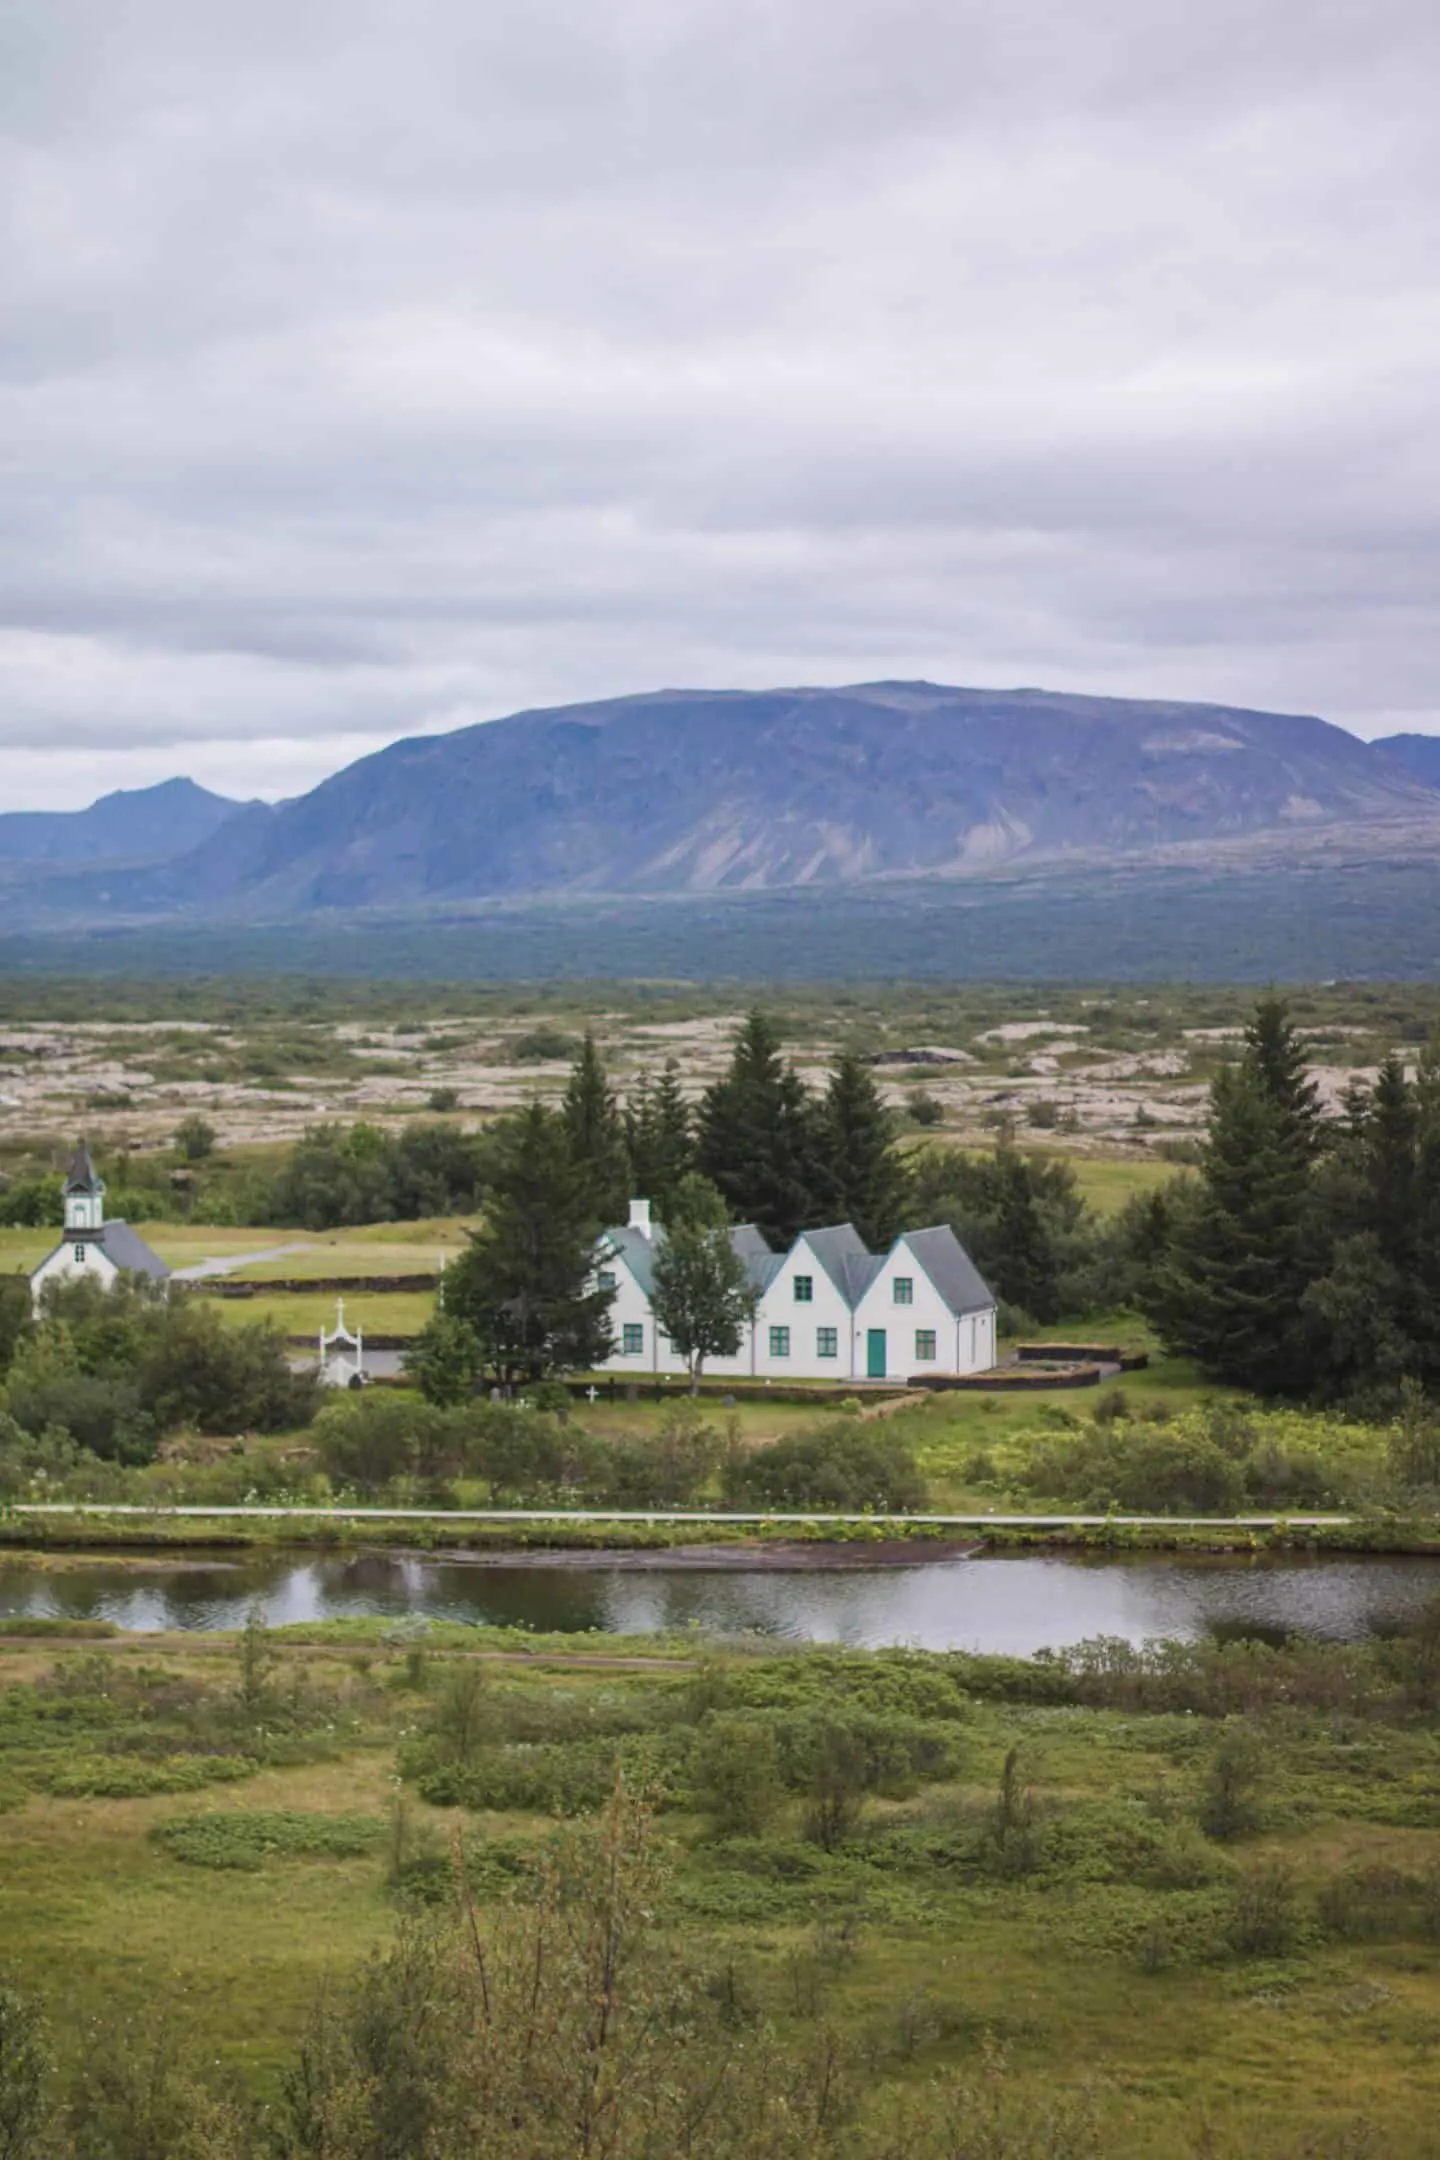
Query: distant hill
[
  {"x": 133, "y": 825},
  {"x": 684, "y": 791},
  {"x": 1419, "y": 754}
]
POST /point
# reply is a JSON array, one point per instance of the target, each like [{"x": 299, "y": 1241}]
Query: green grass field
[{"x": 1107, "y": 1961}]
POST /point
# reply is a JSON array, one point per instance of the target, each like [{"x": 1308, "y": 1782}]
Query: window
[
  {"x": 804, "y": 1289},
  {"x": 827, "y": 1342},
  {"x": 924, "y": 1346},
  {"x": 904, "y": 1289},
  {"x": 632, "y": 1339},
  {"x": 606, "y": 1278},
  {"x": 79, "y": 1256},
  {"x": 779, "y": 1342}
]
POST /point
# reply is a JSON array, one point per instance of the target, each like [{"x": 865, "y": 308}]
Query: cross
[{"x": 592, "y": 1393}]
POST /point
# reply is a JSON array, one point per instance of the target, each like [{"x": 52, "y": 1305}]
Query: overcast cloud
[{"x": 373, "y": 367}]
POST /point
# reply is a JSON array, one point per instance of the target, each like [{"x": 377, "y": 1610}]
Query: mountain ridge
[
  {"x": 129, "y": 825},
  {"x": 674, "y": 791}
]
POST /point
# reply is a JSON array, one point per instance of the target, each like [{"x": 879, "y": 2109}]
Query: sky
[{"x": 372, "y": 367}]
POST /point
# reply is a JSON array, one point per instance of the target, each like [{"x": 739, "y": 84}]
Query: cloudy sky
[{"x": 368, "y": 367}]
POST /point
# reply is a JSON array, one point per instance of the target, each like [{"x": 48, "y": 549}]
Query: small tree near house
[{"x": 702, "y": 1297}]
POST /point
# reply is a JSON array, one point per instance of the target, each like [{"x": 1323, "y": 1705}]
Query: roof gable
[
  {"x": 949, "y": 1267},
  {"x": 834, "y": 1248}
]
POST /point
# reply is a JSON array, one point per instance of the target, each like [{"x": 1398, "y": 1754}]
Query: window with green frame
[
  {"x": 904, "y": 1289},
  {"x": 804, "y": 1289},
  {"x": 606, "y": 1278},
  {"x": 632, "y": 1339},
  {"x": 779, "y": 1342},
  {"x": 827, "y": 1342},
  {"x": 924, "y": 1345}
]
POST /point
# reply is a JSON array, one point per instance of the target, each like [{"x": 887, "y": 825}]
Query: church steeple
[{"x": 84, "y": 1193}]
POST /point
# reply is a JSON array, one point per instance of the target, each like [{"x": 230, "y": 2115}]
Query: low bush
[
  {"x": 842, "y": 1465},
  {"x": 247, "y": 1841}
]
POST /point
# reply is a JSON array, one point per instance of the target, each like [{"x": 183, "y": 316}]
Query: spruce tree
[
  {"x": 760, "y": 1138},
  {"x": 524, "y": 1286},
  {"x": 866, "y": 1176},
  {"x": 659, "y": 1139},
  {"x": 1244, "y": 1251},
  {"x": 596, "y": 1135}
]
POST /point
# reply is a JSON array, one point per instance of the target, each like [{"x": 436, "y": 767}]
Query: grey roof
[
  {"x": 636, "y": 1250},
  {"x": 81, "y": 1177},
  {"x": 123, "y": 1245},
  {"x": 833, "y": 1247},
  {"x": 861, "y": 1270},
  {"x": 950, "y": 1268},
  {"x": 129, "y": 1250}
]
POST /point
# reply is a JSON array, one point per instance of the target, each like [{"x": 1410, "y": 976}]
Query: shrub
[
  {"x": 1264, "y": 1911},
  {"x": 1229, "y": 1806},
  {"x": 247, "y": 1841},
  {"x": 735, "y": 1775},
  {"x": 841, "y": 1465}
]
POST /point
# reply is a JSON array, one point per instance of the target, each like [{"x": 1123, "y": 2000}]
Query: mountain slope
[
  {"x": 133, "y": 825},
  {"x": 694, "y": 791},
  {"x": 1419, "y": 754}
]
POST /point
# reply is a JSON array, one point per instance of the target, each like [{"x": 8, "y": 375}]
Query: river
[{"x": 1012, "y": 1603}]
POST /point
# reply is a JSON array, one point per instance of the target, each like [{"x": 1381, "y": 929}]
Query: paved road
[
  {"x": 207, "y": 1270},
  {"x": 691, "y": 1516}
]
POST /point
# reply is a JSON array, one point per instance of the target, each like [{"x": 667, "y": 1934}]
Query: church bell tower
[{"x": 84, "y": 1195}]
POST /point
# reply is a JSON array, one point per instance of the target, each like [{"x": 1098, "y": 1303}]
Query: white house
[
  {"x": 91, "y": 1245},
  {"x": 829, "y": 1309}
]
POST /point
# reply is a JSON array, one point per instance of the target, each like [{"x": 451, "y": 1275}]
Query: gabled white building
[
  {"x": 91, "y": 1245},
  {"x": 829, "y": 1309}
]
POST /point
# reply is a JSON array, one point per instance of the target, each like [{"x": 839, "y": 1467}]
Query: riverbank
[{"x": 83, "y": 1527}]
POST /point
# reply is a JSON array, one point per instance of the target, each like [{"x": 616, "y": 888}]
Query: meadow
[{"x": 1181, "y": 1905}]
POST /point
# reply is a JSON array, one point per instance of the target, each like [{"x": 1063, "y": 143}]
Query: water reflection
[{"x": 1013, "y": 1603}]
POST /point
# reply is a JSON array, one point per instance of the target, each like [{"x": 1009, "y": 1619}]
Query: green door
[{"x": 875, "y": 1354}]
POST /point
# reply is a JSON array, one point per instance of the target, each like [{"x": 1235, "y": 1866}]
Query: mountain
[
  {"x": 133, "y": 825},
  {"x": 731, "y": 791},
  {"x": 1419, "y": 754}
]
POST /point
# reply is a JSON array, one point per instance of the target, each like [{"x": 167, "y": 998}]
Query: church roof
[
  {"x": 120, "y": 1244},
  {"x": 82, "y": 1176},
  {"x": 129, "y": 1251}
]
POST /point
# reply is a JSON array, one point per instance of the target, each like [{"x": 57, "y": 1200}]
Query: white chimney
[{"x": 640, "y": 1216}]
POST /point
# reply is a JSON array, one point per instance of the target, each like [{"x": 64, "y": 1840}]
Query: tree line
[{"x": 1304, "y": 1258}]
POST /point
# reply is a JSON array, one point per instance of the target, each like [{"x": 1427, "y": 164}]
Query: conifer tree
[
  {"x": 524, "y": 1285},
  {"x": 596, "y": 1135},
  {"x": 1244, "y": 1251},
  {"x": 866, "y": 1176},
  {"x": 760, "y": 1138},
  {"x": 659, "y": 1137}
]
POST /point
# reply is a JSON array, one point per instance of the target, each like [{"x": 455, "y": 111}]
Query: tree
[
  {"x": 15, "y": 1316},
  {"x": 659, "y": 1139},
  {"x": 195, "y": 1138},
  {"x": 445, "y": 1360},
  {"x": 1243, "y": 1253},
  {"x": 702, "y": 1296},
  {"x": 434, "y": 1170},
  {"x": 1022, "y": 1220},
  {"x": 525, "y": 1284},
  {"x": 867, "y": 1178},
  {"x": 596, "y": 1136},
  {"x": 760, "y": 1139}
]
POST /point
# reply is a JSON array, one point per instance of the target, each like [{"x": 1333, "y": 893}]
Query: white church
[
  {"x": 91, "y": 1246},
  {"x": 829, "y": 1309}
]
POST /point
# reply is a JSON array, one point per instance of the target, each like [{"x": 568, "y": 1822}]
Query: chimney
[{"x": 640, "y": 1216}]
